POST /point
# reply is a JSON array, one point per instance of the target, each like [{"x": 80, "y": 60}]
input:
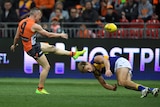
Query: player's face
[{"x": 88, "y": 67}]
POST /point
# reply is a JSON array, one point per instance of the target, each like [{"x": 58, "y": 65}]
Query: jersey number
[{"x": 22, "y": 28}]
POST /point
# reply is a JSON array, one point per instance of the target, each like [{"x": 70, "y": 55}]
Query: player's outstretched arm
[
  {"x": 39, "y": 29},
  {"x": 106, "y": 85}
]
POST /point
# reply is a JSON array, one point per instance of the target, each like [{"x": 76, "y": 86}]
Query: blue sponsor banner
[{"x": 144, "y": 56}]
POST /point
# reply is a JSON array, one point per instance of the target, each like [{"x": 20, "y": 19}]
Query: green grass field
[{"x": 18, "y": 92}]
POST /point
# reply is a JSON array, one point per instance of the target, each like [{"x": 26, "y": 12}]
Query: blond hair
[
  {"x": 34, "y": 10},
  {"x": 81, "y": 66}
]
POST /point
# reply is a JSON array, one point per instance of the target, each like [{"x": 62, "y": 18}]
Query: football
[{"x": 110, "y": 27}]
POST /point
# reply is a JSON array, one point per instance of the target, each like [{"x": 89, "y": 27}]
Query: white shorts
[{"x": 121, "y": 63}]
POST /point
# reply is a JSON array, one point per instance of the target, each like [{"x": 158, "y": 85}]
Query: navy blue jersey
[{"x": 101, "y": 68}]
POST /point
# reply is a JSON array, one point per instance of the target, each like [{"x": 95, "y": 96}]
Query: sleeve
[{"x": 106, "y": 57}]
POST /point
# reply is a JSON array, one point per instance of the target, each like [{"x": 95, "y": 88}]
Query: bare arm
[
  {"x": 100, "y": 59},
  {"x": 104, "y": 60},
  {"x": 108, "y": 72},
  {"x": 39, "y": 29},
  {"x": 16, "y": 38},
  {"x": 106, "y": 85}
]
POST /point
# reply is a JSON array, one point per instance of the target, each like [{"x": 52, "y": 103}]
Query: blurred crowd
[{"x": 77, "y": 11}]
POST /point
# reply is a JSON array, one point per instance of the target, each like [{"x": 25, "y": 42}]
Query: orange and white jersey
[{"x": 27, "y": 35}]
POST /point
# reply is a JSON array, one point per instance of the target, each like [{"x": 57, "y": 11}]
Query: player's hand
[
  {"x": 64, "y": 35},
  {"x": 108, "y": 73},
  {"x": 13, "y": 47},
  {"x": 114, "y": 87}
]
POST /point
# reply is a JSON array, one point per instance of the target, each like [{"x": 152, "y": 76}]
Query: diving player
[{"x": 114, "y": 65}]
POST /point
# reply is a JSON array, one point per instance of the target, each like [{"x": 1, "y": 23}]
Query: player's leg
[
  {"x": 43, "y": 75},
  {"x": 123, "y": 72},
  {"x": 124, "y": 79},
  {"x": 139, "y": 87},
  {"x": 38, "y": 55},
  {"x": 129, "y": 79},
  {"x": 45, "y": 47},
  {"x": 123, "y": 76}
]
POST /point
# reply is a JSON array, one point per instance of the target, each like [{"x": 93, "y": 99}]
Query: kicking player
[
  {"x": 27, "y": 31},
  {"x": 114, "y": 65}
]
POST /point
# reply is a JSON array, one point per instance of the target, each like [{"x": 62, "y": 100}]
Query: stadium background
[{"x": 13, "y": 64}]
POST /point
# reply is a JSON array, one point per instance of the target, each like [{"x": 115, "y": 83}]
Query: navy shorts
[{"x": 36, "y": 51}]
